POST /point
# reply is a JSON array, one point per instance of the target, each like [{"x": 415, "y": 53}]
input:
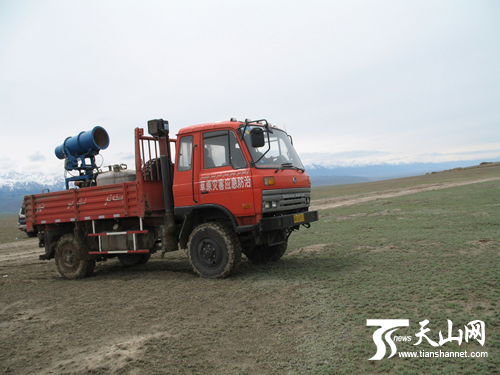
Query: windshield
[{"x": 277, "y": 152}]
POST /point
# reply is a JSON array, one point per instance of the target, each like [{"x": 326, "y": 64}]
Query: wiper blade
[
  {"x": 283, "y": 166},
  {"x": 288, "y": 166}
]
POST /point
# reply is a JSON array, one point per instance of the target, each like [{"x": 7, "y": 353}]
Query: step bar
[{"x": 133, "y": 232}]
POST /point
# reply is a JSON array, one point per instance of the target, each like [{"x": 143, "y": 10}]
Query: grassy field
[
  {"x": 9, "y": 231},
  {"x": 429, "y": 256},
  {"x": 433, "y": 256},
  {"x": 492, "y": 170}
]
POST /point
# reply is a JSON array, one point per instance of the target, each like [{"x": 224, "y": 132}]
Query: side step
[
  {"x": 116, "y": 233},
  {"x": 118, "y": 252}
]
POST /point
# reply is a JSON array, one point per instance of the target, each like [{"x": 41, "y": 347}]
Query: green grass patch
[{"x": 433, "y": 255}]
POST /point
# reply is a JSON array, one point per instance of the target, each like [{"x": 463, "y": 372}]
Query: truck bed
[{"x": 93, "y": 203}]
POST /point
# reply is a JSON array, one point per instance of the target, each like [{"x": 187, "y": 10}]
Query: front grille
[{"x": 285, "y": 199}]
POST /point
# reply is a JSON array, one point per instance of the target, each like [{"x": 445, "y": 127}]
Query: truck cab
[{"x": 247, "y": 176}]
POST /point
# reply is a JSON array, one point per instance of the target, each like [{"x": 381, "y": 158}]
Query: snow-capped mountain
[
  {"x": 384, "y": 171},
  {"x": 22, "y": 180},
  {"x": 15, "y": 185}
]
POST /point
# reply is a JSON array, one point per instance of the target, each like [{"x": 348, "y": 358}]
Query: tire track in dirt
[
  {"x": 15, "y": 251},
  {"x": 325, "y": 204}
]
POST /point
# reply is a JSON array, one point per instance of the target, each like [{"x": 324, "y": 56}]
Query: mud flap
[{"x": 49, "y": 241}]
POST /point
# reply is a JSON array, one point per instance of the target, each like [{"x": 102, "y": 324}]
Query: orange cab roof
[
  {"x": 214, "y": 125},
  {"x": 210, "y": 126}
]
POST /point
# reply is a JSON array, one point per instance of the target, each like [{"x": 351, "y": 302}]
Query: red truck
[{"x": 235, "y": 187}]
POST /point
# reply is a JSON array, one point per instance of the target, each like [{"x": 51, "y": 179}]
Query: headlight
[{"x": 270, "y": 204}]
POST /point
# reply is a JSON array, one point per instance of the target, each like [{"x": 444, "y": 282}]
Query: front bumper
[{"x": 287, "y": 221}]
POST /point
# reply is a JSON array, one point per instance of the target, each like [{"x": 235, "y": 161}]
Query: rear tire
[
  {"x": 214, "y": 250},
  {"x": 71, "y": 260},
  {"x": 262, "y": 254}
]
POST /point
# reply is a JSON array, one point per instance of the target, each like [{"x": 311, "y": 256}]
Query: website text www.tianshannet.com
[{"x": 442, "y": 354}]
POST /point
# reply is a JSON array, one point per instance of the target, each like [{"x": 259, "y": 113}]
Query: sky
[{"x": 354, "y": 82}]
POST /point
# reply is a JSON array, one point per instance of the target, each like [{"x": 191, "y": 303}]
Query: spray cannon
[{"x": 79, "y": 154}]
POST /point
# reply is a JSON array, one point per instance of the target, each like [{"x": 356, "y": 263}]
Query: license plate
[{"x": 298, "y": 218}]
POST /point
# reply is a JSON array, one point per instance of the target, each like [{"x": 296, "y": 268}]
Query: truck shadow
[{"x": 290, "y": 267}]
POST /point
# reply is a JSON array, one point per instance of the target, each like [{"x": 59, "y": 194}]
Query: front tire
[
  {"x": 214, "y": 250},
  {"x": 71, "y": 260}
]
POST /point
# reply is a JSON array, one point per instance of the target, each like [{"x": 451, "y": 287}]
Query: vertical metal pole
[
  {"x": 99, "y": 237},
  {"x": 170, "y": 242}
]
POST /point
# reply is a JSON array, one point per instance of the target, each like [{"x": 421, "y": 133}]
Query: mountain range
[
  {"x": 385, "y": 171},
  {"x": 15, "y": 185}
]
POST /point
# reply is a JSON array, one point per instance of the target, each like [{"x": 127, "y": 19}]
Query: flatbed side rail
[{"x": 97, "y": 202}]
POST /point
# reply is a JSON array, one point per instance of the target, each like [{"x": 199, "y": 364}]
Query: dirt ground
[{"x": 152, "y": 319}]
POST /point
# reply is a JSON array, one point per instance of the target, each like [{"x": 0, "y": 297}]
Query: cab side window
[
  {"x": 221, "y": 149},
  {"x": 185, "y": 153}
]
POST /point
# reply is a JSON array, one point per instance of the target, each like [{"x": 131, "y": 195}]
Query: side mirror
[{"x": 257, "y": 138}]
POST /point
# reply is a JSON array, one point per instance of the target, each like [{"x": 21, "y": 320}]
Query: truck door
[
  {"x": 225, "y": 178},
  {"x": 186, "y": 190}
]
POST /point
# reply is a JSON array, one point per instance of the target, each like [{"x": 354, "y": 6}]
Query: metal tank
[{"x": 116, "y": 174}]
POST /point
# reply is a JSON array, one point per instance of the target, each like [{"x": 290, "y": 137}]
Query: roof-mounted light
[{"x": 158, "y": 128}]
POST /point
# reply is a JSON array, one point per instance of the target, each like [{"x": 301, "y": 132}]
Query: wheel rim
[
  {"x": 69, "y": 258},
  {"x": 209, "y": 253}
]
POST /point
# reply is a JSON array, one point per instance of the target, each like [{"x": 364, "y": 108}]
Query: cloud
[
  {"x": 407, "y": 79},
  {"x": 360, "y": 157},
  {"x": 126, "y": 156},
  {"x": 36, "y": 157}
]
